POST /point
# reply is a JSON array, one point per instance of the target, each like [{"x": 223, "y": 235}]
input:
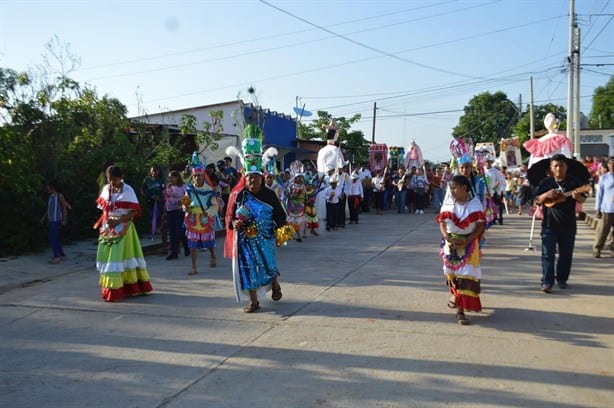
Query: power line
[
  {"x": 360, "y": 44},
  {"x": 599, "y": 33},
  {"x": 258, "y": 39},
  {"x": 278, "y": 47}
]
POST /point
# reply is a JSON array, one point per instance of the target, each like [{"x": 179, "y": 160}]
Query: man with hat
[{"x": 331, "y": 194}]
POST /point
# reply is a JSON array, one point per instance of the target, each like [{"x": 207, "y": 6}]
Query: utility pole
[
  {"x": 570, "y": 73},
  {"x": 531, "y": 116},
  {"x": 576, "y": 118},
  {"x": 373, "y": 131}
]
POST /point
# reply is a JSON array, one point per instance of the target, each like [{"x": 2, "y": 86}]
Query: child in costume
[
  {"x": 201, "y": 207},
  {"x": 461, "y": 221},
  {"x": 296, "y": 195}
]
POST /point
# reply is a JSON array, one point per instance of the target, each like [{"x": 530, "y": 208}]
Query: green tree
[
  {"x": 212, "y": 130},
  {"x": 602, "y": 113},
  {"x": 488, "y": 118}
]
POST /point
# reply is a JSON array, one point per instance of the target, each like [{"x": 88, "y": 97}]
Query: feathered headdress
[
  {"x": 198, "y": 167},
  {"x": 251, "y": 155},
  {"x": 268, "y": 160}
]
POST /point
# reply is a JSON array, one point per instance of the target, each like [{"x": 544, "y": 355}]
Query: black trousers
[
  {"x": 354, "y": 205},
  {"x": 340, "y": 221},
  {"x": 331, "y": 215}
]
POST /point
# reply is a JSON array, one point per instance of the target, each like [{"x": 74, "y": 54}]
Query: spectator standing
[
  {"x": 400, "y": 181},
  {"x": 419, "y": 186},
  {"x": 57, "y": 216},
  {"x": 436, "y": 189},
  {"x": 173, "y": 193},
  {"x": 153, "y": 190},
  {"x": 604, "y": 207}
]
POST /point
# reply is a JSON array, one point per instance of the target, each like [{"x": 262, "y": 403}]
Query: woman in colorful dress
[
  {"x": 312, "y": 187},
  {"x": 461, "y": 221},
  {"x": 120, "y": 260},
  {"x": 201, "y": 209},
  {"x": 253, "y": 216}
]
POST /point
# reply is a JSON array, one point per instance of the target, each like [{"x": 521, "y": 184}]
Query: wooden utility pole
[{"x": 373, "y": 130}]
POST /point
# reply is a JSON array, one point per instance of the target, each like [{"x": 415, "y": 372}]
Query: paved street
[{"x": 363, "y": 323}]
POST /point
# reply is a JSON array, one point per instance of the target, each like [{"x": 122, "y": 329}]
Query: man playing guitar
[{"x": 559, "y": 195}]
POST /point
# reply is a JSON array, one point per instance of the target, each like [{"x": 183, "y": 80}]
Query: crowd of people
[{"x": 261, "y": 208}]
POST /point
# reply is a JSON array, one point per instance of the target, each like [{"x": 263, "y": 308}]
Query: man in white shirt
[
  {"x": 355, "y": 196},
  {"x": 343, "y": 184},
  {"x": 331, "y": 194},
  {"x": 604, "y": 208},
  {"x": 495, "y": 185},
  {"x": 367, "y": 186}
]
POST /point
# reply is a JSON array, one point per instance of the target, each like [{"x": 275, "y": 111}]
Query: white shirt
[
  {"x": 365, "y": 173},
  {"x": 335, "y": 198},
  {"x": 495, "y": 180},
  {"x": 355, "y": 188}
]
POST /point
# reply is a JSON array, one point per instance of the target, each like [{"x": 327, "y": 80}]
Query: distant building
[
  {"x": 279, "y": 129},
  {"x": 596, "y": 142}
]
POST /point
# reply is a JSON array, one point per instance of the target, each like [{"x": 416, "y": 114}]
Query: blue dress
[{"x": 254, "y": 260}]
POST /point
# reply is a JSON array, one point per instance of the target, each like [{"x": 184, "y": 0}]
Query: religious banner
[
  {"x": 378, "y": 157},
  {"x": 510, "y": 156}
]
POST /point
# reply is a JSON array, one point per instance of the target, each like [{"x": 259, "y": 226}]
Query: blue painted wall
[{"x": 278, "y": 129}]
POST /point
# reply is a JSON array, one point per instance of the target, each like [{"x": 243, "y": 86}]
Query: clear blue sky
[{"x": 411, "y": 57}]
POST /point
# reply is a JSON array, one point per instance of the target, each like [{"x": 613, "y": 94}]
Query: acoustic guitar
[{"x": 552, "y": 203}]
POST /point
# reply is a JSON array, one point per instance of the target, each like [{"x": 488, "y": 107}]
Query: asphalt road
[{"x": 363, "y": 323}]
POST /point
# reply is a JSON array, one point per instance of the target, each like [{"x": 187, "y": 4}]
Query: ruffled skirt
[{"x": 122, "y": 267}]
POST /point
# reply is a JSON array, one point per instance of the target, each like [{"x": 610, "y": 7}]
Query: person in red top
[{"x": 437, "y": 193}]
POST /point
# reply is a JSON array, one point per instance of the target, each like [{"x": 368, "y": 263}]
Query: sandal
[
  {"x": 193, "y": 272},
  {"x": 276, "y": 295},
  {"x": 452, "y": 304},
  {"x": 252, "y": 307},
  {"x": 461, "y": 318}
]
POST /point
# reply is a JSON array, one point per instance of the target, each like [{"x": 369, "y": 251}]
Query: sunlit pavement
[{"x": 363, "y": 323}]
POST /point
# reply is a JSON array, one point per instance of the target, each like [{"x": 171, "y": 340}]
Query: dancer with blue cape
[{"x": 255, "y": 221}]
